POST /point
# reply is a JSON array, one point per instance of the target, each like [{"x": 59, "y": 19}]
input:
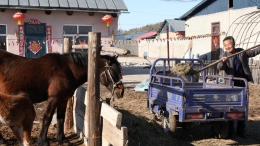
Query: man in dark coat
[{"x": 236, "y": 66}]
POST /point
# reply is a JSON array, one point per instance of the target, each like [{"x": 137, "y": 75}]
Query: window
[
  {"x": 230, "y": 6},
  {"x": 77, "y": 33},
  {"x": 3, "y": 37}
]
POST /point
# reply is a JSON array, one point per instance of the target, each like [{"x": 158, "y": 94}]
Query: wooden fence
[
  {"x": 113, "y": 133},
  {"x": 89, "y": 116}
]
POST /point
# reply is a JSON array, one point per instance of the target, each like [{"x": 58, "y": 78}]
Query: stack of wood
[{"x": 105, "y": 50}]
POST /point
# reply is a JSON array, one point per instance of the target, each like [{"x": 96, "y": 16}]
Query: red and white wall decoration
[
  {"x": 20, "y": 39},
  {"x": 49, "y": 38}
]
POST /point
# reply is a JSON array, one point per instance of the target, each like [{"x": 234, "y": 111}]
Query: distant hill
[{"x": 147, "y": 28}]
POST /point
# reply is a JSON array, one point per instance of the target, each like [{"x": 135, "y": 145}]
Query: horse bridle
[{"x": 107, "y": 71}]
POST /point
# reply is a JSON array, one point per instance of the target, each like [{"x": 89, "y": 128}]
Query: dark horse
[{"x": 54, "y": 77}]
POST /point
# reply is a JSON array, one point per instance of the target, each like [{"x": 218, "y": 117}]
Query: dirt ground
[{"x": 144, "y": 130}]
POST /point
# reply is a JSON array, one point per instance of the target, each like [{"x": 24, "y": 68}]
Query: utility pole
[{"x": 168, "y": 52}]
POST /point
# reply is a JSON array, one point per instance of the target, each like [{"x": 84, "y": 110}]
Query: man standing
[{"x": 236, "y": 66}]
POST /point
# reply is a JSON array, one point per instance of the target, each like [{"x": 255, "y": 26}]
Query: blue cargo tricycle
[{"x": 180, "y": 103}]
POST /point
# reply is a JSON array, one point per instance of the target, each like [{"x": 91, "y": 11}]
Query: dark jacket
[{"x": 228, "y": 67}]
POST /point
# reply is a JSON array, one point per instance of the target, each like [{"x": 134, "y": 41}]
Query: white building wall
[
  {"x": 202, "y": 25},
  {"x": 157, "y": 48}
]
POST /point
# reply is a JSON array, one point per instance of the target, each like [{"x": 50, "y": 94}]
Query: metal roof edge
[
  {"x": 160, "y": 29},
  {"x": 195, "y": 8},
  {"x": 63, "y": 9},
  {"x": 164, "y": 22}
]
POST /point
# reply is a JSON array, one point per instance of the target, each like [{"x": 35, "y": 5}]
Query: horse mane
[
  {"x": 82, "y": 58},
  {"x": 78, "y": 57}
]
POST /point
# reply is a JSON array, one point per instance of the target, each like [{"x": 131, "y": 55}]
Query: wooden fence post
[
  {"x": 67, "y": 45},
  {"x": 68, "y": 124},
  {"x": 93, "y": 106}
]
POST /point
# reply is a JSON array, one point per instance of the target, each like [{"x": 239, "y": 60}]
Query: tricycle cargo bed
[{"x": 197, "y": 98}]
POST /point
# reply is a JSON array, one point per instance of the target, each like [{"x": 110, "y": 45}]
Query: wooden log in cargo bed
[{"x": 105, "y": 48}]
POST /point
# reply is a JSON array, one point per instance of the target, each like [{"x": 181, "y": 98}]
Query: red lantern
[
  {"x": 19, "y": 17},
  {"x": 107, "y": 19}
]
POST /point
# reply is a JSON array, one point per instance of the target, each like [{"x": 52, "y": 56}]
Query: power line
[
  {"x": 152, "y": 13},
  {"x": 182, "y": 0}
]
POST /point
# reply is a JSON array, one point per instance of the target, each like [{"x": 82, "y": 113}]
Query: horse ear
[
  {"x": 116, "y": 56},
  {"x": 103, "y": 62}
]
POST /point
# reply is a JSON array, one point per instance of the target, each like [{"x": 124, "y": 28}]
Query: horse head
[{"x": 111, "y": 75}]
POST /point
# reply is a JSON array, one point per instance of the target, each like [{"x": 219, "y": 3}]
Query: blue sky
[{"x": 144, "y": 12}]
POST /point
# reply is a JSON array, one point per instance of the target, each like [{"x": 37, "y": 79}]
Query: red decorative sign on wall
[
  {"x": 35, "y": 47},
  {"x": 34, "y": 21},
  {"x": 20, "y": 39}
]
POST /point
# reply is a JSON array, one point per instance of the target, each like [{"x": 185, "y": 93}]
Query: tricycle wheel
[
  {"x": 169, "y": 123},
  {"x": 220, "y": 129}
]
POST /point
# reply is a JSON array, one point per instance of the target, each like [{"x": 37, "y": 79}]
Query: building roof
[
  {"x": 120, "y": 36},
  {"x": 114, "y": 6},
  {"x": 195, "y": 9},
  {"x": 220, "y": 5},
  {"x": 133, "y": 35},
  {"x": 148, "y": 35},
  {"x": 177, "y": 25}
]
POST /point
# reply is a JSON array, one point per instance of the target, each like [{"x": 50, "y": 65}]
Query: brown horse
[
  {"x": 17, "y": 112},
  {"x": 54, "y": 77}
]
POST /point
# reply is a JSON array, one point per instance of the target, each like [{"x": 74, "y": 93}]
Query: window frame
[{"x": 75, "y": 36}]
